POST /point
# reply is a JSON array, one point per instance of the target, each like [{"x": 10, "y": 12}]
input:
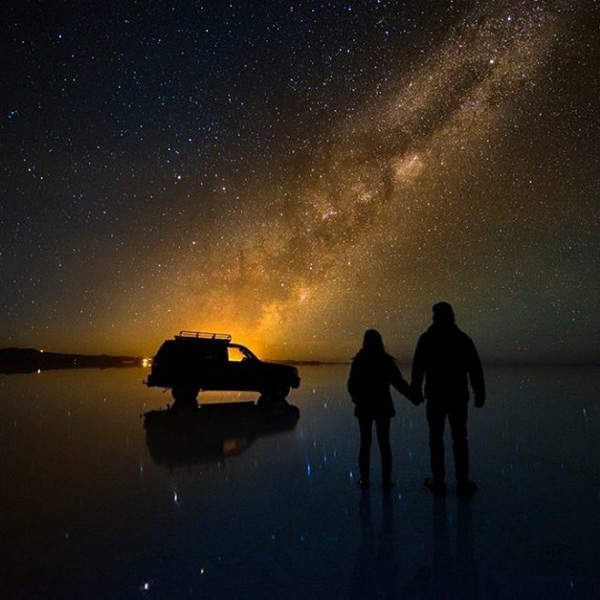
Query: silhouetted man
[{"x": 447, "y": 358}]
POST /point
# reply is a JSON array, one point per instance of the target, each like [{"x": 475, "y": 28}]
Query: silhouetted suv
[{"x": 195, "y": 361}]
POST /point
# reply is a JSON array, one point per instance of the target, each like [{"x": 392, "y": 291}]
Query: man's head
[{"x": 443, "y": 314}]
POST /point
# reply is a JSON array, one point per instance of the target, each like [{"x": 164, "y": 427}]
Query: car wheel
[
  {"x": 282, "y": 391},
  {"x": 276, "y": 393},
  {"x": 185, "y": 394}
]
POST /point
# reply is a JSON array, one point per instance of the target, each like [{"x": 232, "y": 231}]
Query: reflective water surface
[{"x": 246, "y": 505}]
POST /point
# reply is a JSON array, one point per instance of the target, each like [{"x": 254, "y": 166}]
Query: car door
[{"x": 242, "y": 370}]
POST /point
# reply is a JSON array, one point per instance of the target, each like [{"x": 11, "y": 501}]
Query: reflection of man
[
  {"x": 454, "y": 569},
  {"x": 447, "y": 359}
]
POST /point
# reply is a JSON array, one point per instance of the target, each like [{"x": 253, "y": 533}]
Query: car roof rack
[{"x": 204, "y": 335}]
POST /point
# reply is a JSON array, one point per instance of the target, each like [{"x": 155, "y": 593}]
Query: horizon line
[{"x": 506, "y": 361}]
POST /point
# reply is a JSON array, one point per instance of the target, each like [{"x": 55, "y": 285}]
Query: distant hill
[
  {"x": 309, "y": 363},
  {"x": 30, "y": 360}
]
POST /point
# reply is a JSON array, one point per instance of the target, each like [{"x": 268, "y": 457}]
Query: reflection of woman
[{"x": 371, "y": 374}]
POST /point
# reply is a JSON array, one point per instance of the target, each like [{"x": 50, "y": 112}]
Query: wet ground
[{"x": 236, "y": 503}]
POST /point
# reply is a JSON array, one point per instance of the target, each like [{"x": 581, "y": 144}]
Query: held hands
[{"x": 416, "y": 396}]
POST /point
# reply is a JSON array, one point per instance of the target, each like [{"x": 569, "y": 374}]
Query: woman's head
[{"x": 373, "y": 342}]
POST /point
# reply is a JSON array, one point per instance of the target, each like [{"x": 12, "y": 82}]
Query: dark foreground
[{"x": 257, "y": 505}]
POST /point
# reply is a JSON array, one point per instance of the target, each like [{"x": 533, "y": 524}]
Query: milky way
[{"x": 454, "y": 156}]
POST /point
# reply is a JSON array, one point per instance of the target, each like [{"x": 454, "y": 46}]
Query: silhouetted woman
[{"x": 371, "y": 374}]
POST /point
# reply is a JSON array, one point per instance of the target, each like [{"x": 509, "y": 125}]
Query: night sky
[{"x": 295, "y": 172}]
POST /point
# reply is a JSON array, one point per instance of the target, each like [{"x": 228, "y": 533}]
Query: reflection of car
[
  {"x": 213, "y": 432},
  {"x": 195, "y": 361}
]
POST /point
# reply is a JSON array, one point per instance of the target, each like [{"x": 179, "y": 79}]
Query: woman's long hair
[{"x": 373, "y": 343}]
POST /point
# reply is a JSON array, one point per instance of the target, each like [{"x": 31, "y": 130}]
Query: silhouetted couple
[{"x": 446, "y": 360}]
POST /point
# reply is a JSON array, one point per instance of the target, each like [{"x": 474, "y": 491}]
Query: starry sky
[{"x": 295, "y": 172}]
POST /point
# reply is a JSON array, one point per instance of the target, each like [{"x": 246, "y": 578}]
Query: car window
[{"x": 235, "y": 354}]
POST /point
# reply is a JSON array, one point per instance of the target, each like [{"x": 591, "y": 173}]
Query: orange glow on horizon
[{"x": 252, "y": 340}]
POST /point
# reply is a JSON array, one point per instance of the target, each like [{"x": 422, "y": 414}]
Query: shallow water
[{"x": 91, "y": 508}]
